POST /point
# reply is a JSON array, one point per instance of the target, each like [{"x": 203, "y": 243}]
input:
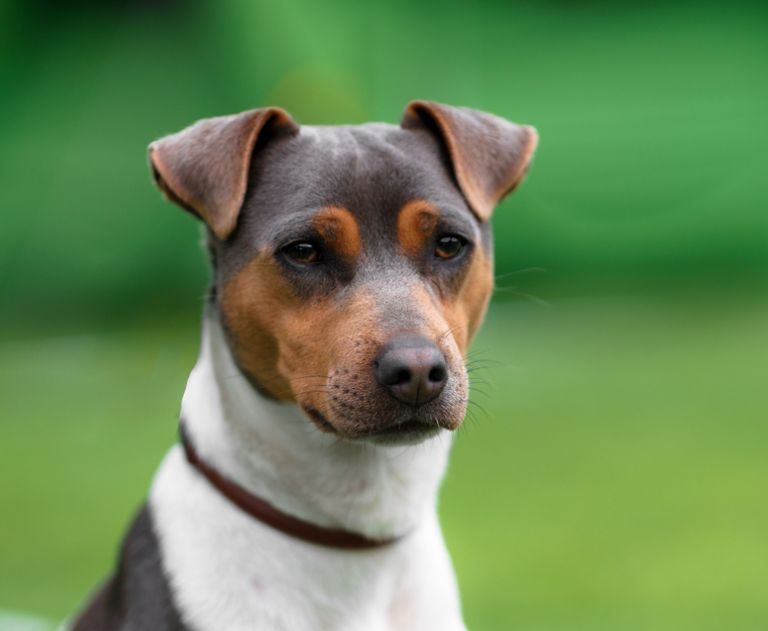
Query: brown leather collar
[{"x": 274, "y": 517}]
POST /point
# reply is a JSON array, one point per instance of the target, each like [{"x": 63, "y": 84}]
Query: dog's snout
[{"x": 413, "y": 369}]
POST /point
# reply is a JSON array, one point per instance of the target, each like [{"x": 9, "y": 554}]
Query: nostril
[
  {"x": 393, "y": 375},
  {"x": 437, "y": 374},
  {"x": 400, "y": 377}
]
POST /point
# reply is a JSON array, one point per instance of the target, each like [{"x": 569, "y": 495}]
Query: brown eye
[
  {"x": 449, "y": 246},
  {"x": 302, "y": 252}
]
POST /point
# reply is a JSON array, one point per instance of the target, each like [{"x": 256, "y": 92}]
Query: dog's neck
[{"x": 276, "y": 453}]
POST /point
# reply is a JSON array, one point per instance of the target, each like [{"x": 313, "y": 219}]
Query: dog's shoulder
[{"x": 138, "y": 596}]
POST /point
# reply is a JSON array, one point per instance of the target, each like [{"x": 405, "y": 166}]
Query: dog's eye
[
  {"x": 449, "y": 246},
  {"x": 302, "y": 252}
]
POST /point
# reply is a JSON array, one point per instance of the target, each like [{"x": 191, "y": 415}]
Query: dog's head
[{"x": 352, "y": 265}]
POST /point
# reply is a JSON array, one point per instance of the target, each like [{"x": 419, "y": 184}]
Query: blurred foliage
[{"x": 652, "y": 119}]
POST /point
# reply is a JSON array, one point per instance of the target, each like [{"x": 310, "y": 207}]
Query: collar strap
[{"x": 274, "y": 517}]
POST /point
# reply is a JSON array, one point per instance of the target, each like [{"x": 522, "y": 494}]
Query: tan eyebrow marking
[
  {"x": 416, "y": 222},
  {"x": 339, "y": 228}
]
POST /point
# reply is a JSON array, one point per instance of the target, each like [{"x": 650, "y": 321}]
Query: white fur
[{"x": 230, "y": 572}]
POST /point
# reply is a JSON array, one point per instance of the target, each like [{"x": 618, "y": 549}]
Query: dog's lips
[
  {"x": 409, "y": 426},
  {"x": 409, "y": 430},
  {"x": 319, "y": 420}
]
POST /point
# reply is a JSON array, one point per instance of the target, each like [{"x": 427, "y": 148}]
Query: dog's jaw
[{"x": 273, "y": 450}]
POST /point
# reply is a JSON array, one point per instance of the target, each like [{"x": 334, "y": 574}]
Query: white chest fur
[{"x": 231, "y": 573}]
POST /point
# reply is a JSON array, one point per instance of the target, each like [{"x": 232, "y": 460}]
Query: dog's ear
[
  {"x": 489, "y": 155},
  {"x": 204, "y": 168}
]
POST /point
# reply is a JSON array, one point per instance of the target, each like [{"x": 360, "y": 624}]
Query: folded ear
[
  {"x": 204, "y": 168},
  {"x": 489, "y": 155}
]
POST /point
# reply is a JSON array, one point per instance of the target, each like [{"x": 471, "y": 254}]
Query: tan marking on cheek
[
  {"x": 416, "y": 223},
  {"x": 321, "y": 346},
  {"x": 251, "y": 304},
  {"x": 279, "y": 339},
  {"x": 465, "y": 310},
  {"x": 340, "y": 230},
  {"x": 286, "y": 344}
]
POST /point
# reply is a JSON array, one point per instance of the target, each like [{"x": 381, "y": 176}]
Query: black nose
[{"x": 413, "y": 369}]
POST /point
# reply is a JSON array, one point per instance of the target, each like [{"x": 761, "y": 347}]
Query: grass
[{"x": 611, "y": 475}]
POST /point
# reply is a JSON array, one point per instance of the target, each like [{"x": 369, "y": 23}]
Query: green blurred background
[{"x": 613, "y": 474}]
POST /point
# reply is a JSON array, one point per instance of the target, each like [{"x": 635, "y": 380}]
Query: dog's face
[{"x": 353, "y": 265}]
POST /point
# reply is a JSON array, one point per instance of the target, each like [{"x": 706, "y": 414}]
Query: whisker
[
  {"x": 479, "y": 407},
  {"x": 518, "y": 272},
  {"x": 512, "y": 290}
]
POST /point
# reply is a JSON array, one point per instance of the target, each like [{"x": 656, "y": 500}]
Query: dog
[{"x": 351, "y": 267}]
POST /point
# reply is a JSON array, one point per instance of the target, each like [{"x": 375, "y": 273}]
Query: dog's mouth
[
  {"x": 410, "y": 430},
  {"x": 318, "y": 419}
]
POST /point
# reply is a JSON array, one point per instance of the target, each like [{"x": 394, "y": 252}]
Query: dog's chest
[{"x": 229, "y": 572}]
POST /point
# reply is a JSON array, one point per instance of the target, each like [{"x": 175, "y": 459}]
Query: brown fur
[
  {"x": 340, "y": 232},
  {"x": 416, "y": 224},
  {"x": 464, "y": 312},
  {"x": 314, "y": 352}
]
